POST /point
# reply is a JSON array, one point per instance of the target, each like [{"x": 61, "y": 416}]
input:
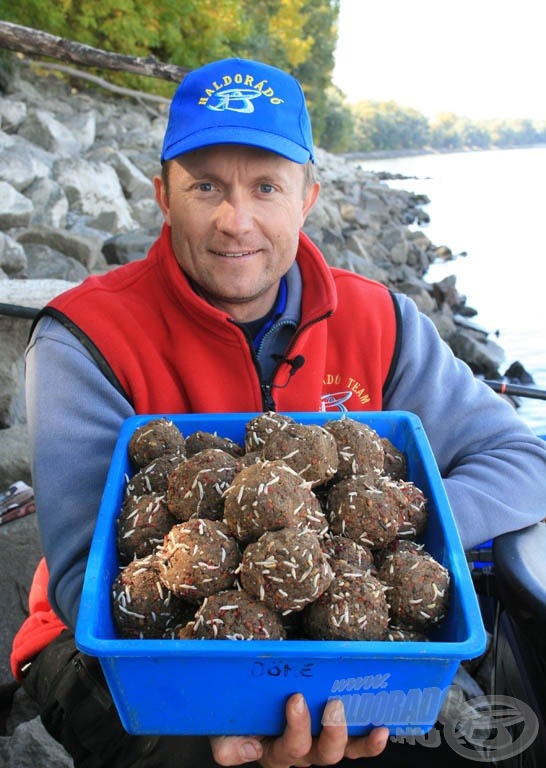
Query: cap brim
[{"x": 245, "y": 136}]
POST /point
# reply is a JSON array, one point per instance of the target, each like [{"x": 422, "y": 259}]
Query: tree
[
  {"x": 315, "y": 73},
  {"x": 338, "y": 132},
  {"x": 444, "y": 132},
  {"x": 388, "y": 126},
  {"x": 163, "y": 28},
  {"x": 296, "y": 35}
]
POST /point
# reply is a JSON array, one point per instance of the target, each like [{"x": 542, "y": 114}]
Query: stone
[
  {"x": 134, "y": 183},
  {"x": 46, "y": 131},
  {"x": 30, "y": 746},
  {"x": 12, "y": 114},
  {"x": 14, "y": 335},
  {"x": 147, "y": 213},
  {"x": 50, "y": 204},
  {"x": 94, "y": 189},
  {"x": 357, "y": 243},
  {"x": 14, "y": 459},
  {"x": 326, "y": 216},
  {"x": 20, "y": 168},
  {"x": 482, "y": 355},
  {"x": 131, "y": 246},
  {"x": 84, "y": 248},
  {"x": 31, "y": 293},
  {"x": 83, "y": 126},
  {"x": 12, "y": 255},
  {"x": 45, "y": 262},
  {"x": 16, "y": 209}
]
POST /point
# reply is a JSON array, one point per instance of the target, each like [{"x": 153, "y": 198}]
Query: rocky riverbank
[{"x": 77, "y": 198}]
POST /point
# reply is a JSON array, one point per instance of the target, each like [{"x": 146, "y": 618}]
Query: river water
[{"x": 491, "y": 206}]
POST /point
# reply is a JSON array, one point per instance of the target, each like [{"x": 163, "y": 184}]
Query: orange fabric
[{"x": 40, "y": 628}]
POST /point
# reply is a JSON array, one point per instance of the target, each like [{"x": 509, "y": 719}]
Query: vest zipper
[{"x": 268, "y": 403}]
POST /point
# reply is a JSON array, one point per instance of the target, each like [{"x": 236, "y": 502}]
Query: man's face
[{"x": 235, "y": 213}]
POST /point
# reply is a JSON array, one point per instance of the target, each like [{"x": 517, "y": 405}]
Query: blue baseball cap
[{"x": 238, "y": 101}]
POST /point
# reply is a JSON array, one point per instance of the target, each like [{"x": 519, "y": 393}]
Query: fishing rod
[
  {"x": 502, "y": 387},
  {"x": 515, "y": 390},
  {"x": 16, "y": 310}
]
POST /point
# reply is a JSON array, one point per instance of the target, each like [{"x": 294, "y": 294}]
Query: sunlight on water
[{"x": 491, "y": 206}]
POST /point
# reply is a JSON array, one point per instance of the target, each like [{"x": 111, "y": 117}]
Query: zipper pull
[{"x": 267, "y": 398}]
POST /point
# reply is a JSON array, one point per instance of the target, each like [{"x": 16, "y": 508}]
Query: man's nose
[{"x": 234, "y": 215}]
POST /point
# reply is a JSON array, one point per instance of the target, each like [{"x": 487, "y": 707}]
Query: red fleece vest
[{"x": 171, "y": 352}]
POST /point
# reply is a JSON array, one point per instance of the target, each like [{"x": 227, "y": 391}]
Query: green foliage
[
  {"x": 296, "y": 35},
  {"x": 386, "y": 126},
  {"x": 315, "y": 73},
  {"x": 338, "y": 131}
]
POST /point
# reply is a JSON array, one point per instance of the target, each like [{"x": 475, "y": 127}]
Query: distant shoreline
[{"x": 386, "y": 154}]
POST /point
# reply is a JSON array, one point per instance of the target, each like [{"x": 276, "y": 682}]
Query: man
[{"x": 234, "y": 309}]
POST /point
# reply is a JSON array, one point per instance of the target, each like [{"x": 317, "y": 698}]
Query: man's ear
[
  {"x": 162, "y": 198},
  {"x": 311, "y": 197}
]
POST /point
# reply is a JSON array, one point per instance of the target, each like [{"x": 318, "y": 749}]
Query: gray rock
[
  {"x": 128, "y": 247},
  {"x": 14, "y": 461},
  {"x": 12, "y": 114},
  {"x": 84, "y": 248},
  {"x": 16, "y": 209},
  {"x": 482, "y": 355},
  {"x": 46, "y": 131},
  {"x": 31, "y": 293},
  {"x": 325, "y": 215},
  {"x": 359, "y": 244},
  {"x": 20, "y": 168},
  {"x": 147, "y": 161},
  {"x": 50, "y": 204},
  {"x": 45, "y": 262},
  {"x": 394, "y": 239},
  {"x": 135, "y": 184},
  {"x": 147, "y": 213},
  {"x": 21, "y": 708},
  {"x": 83, "y": 125},
  {"x": 14, "y": 335},
  {"x": 31, "y": 746},
  {"x": 94, "y": 189},
  {"x": 12, "y": 255}
]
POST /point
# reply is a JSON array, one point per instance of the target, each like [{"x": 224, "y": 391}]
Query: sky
[{"x": 477, "y": 58}]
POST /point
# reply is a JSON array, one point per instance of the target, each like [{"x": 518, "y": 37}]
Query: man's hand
[{"x": 296, "y": 746}]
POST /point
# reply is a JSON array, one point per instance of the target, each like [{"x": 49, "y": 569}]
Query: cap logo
[
  {"x": 235, "y": 100},
  {"x": 219, "y": 97}
]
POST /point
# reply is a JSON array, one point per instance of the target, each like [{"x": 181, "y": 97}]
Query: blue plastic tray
[{"x": 240, "y": 687}]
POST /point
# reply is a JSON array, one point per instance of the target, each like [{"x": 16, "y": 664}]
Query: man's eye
[
  {"x": 266, "y": 188},
  {"x": 205, "y": 186}
]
